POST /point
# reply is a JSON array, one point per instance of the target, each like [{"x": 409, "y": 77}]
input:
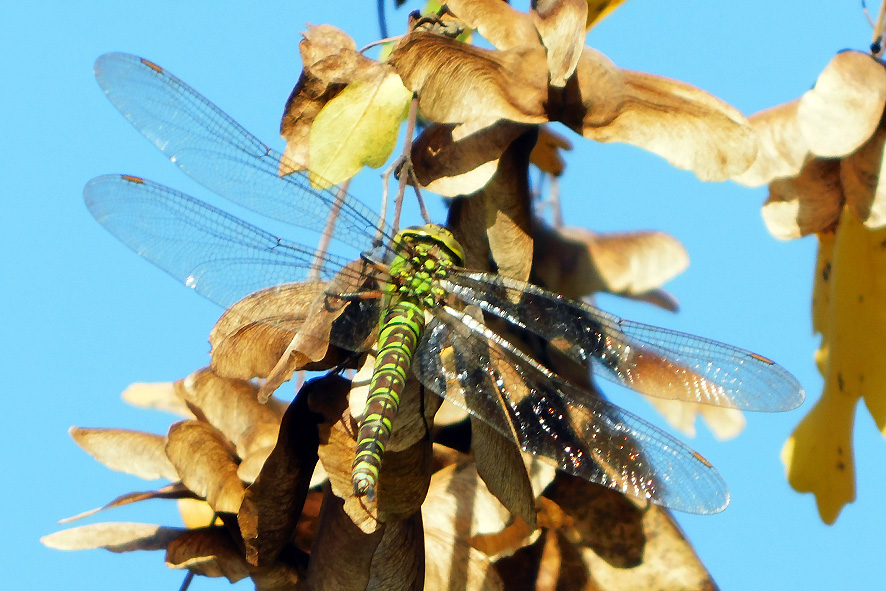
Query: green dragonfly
[{"x": 421, "y": 314}]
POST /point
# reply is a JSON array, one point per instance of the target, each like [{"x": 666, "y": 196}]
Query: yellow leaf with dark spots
[
  {"x": 358, "y": 127},
  {"x": 849, "y": 310}
]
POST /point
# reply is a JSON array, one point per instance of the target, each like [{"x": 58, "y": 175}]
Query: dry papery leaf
[
  {"x": 173, "y": 491},
  {"x": 561, "y": 26},
  {"x": 864, "y": 184},
  {"x": 157, "y": 396},
  {"x": 231, "y": 406},
  {"x": 207, "y": 464},
  {"x": 806, "y": 203},
  {"x": 331, "y": 61},
  {"x": 831, "y": 120},
  {"x": 596, "y": 538},
  {"x": 577, "y": 263},
  {"x": 688, "y": 127},
  {"x": 116, "y": 537},
  {"x": 133, "y": 452},
  {"x": 251, "y": 336}
]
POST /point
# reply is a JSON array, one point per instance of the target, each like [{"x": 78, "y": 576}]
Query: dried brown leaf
[
  {"x": 196, "y": 513},
  {"x": 598, "y": 9},
  {"x": 782, "y": 147},
  {"x": 688, "y": 127},
  {"x": 209, "y": 552},
  {"x": 577, "y": 262},
  {"x": 251, "y": 336},
  {"x": 133, "y": 452},
  {"x": 499, "y": 23},
  {"x": 843, "y": 109},
  {"x": 459, "y": 160},
  {"x": 399, "y": 560},
  {"x": 116, "y": 537},
  {"x": 341, "y": 557},
  {"x": 807, "y": 203},
  {"x": 273, "y": 503},
  {"x": 458, "y": 83},
  {"x": 172, "y": 491},
  {"x": 230, "y": 405},
  {"x": 864, "y": 181},
  {"x": 508, "y": 212},
  {"x": 561, "y": 26},
  {"x": 207, "y": 464},
  {"x": 157, "y": 396}
]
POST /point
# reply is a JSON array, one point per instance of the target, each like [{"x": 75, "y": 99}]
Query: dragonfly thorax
[{"x": 423, "y": 256}]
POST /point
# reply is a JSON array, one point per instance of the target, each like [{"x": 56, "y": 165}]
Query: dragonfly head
[{"x": 432, "y": 234}]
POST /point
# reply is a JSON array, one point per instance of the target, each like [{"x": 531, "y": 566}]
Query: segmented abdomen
[{"x": 397, "y": 340}]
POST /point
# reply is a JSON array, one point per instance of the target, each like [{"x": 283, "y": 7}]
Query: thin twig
[
  {"x": 406, "y": 160},
  {"x": 328, "y": 230},
  {"x": 380, "y": 42},
  {"x": 189, "y": 576}
]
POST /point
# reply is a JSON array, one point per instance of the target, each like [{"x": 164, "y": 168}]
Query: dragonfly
[{"x": 419, "y": 297}]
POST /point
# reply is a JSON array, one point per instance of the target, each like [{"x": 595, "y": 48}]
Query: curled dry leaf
[
  {"x": 807, "y": 203},
  {"x": 561, "y": 26},
  {"x": 457, "y": 160},
  {"x": 725, "y": 423},
  {"x": 782, "y": 148},
  {"x": 577, "y": 262},
  {"x": 251, "y": 336},
  {"x": 231, "y": 406},
  {"x": 843, "y": 109},
  {"x": 133, "y": 452},
  {"x": 206, "y": 463},
  {"x": 273, "y": 503},
  {"x": 688, "y": 127},
  {"x": 116, "y": 537},
  {"x": 546, "y": 153},
  {"x": 209, "y": 552},
  {"x": 331, "y": 61},
  {"x": 864, "y": 181},
  {"x": 157, "y": 396},
  {"x": 173, "y": 491},
  {"x": 499, "y": 23},
  {"x": 458, "y": 83}
]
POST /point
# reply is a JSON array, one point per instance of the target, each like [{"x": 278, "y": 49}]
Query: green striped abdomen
[{"x": 398, "y": 339}]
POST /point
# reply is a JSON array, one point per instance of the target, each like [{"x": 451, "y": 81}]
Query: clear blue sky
[{"x": 83, "y": 317}]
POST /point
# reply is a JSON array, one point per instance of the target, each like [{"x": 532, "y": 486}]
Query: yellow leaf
[
  {"x": 597, "y": 9},
  {"x": 849, "y": 309},
  {"x": 358, "y": 127}
]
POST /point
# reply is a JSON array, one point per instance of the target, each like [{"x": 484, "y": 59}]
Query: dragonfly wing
[
  {"x": 216, "y": 254},
  {"x": 651, "y": 360},
  {"x": 218, "y": 153},
  {"x": 465, "y": 362}
]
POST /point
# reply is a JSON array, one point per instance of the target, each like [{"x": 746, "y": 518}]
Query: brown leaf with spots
[
  {"x": 116, "y": 537},
  {"x": 207, "y": 464},
  {"x": 133, "y": 452}
]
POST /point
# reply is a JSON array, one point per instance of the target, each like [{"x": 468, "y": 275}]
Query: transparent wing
[
  {"x": 218, "y": 153},
  {"x": 651, "y": 360},
  {"x": 219, "y": 256},
  {"x": 584, "y": 435}
]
